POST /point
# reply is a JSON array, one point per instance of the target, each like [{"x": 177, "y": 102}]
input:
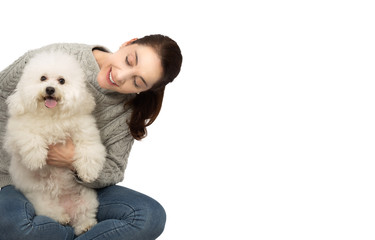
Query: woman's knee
[
  {"x": 157, "y": 219},
  {"x": 151, "y": 218},
  {"x": 12, "y": 204},
  {"x": 133, "y": 209}
]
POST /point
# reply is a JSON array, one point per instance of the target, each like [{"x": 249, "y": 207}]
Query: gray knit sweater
[{"x": 109, "y": 113}]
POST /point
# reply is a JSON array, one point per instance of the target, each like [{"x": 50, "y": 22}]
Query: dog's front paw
[
  {"x": 88, "y": 169},
  {"x": 86, "y": 173},
  {"x": 35, "y": 161},
  {"x": 87, "y": 176}
]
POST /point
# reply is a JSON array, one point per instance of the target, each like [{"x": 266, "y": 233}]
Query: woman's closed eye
[
  {"x": 135, "y": 83},
  {"x": 139, "y": 82},
  {"x": 130, "y": 60},
  {"x": 127, "y": 60}
]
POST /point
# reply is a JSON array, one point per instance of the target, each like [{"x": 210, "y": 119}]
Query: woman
[{"x": 128, "y": 86}]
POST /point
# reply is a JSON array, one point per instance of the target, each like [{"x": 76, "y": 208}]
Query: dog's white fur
[{"x": 32, "y": 126}]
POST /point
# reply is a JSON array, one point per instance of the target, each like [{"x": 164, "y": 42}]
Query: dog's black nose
[{"x": 50, "y": 90}]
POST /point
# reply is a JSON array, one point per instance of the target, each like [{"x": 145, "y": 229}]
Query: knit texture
[{"x": 110, "y": 114}]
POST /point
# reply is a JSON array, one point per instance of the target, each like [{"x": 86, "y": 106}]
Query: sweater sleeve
[
  {"x": 115, "y": 164},
  {"x": 9, "y": 78}
]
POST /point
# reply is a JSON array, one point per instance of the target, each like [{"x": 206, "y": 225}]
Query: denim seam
[
  {"x": 119, "y": 203},
  {"x": 26, "y": 215},
  {"x": 115, "y": 229},
  {"x": 30, "y": 221}
]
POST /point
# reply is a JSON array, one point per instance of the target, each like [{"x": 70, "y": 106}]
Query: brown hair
[{"x": 146, "y": 105}]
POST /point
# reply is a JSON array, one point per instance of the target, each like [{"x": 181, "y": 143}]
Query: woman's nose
[{"x": 123, "y": 75}]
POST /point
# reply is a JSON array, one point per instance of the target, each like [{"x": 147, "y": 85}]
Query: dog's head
[{"x": 52, "y": 82}]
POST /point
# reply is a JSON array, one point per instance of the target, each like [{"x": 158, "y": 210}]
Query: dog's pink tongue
[{"x": 50, "y": 103}]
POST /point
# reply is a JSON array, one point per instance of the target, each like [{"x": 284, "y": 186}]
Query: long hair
[{"x": 147, "y": 105}]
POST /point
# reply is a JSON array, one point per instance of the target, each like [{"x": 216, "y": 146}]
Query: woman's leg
[
  {"x": 126, "y": 214},
  {"x": 18, "y": 220}
]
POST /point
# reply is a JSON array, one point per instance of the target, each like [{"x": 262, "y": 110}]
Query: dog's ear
[
  {"x": 79, "y": 101},
  {"x": 15, "y": 105},
  {"x": 89, "y": 101}
]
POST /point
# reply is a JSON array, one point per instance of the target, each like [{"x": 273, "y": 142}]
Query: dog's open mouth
[{"x": 50, "y": 102}]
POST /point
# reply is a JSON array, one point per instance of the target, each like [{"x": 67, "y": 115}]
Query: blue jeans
[{"x": 123, "y": 214}]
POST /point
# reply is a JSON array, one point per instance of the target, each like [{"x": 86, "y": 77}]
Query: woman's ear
[{"x": 128, "y": 42}]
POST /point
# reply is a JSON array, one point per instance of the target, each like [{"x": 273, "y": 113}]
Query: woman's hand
[{"x": 61, "y": 154}]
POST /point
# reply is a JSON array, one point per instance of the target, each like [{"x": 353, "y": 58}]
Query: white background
[{"x": 267, "y": 133}]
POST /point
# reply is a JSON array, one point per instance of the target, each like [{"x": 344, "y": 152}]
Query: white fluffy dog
[{"x": 50, "y": 104}]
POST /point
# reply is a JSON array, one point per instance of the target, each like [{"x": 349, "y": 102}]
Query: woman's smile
[{"x": 110, "y": 79}]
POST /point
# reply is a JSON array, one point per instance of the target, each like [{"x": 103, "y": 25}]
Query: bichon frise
[{"x": 50, "y": 104}]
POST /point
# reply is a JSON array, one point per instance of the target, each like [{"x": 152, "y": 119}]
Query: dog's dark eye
[
  {"x": 61, "y": 81},
  {"x": 43, "y": 78}
]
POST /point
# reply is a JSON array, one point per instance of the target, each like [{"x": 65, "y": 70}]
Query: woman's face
[{"x": 132, "y": 69}]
